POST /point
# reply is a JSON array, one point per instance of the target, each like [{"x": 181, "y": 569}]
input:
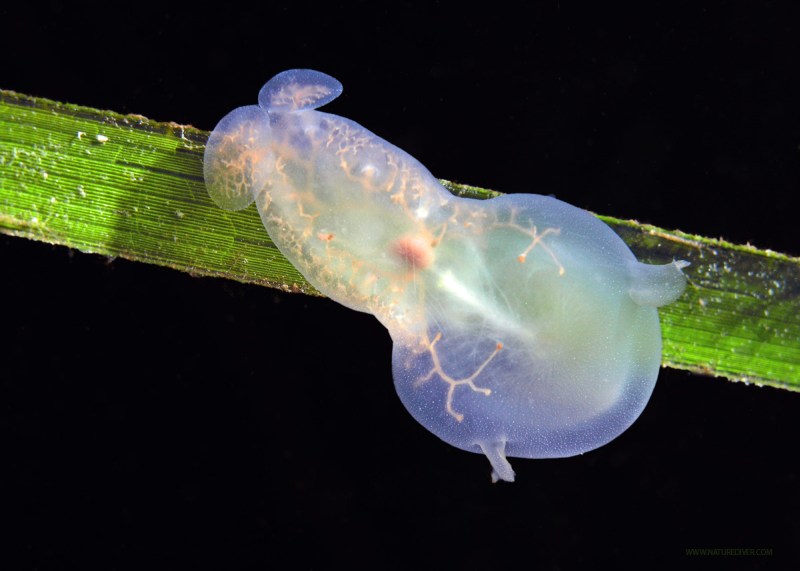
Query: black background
[{"x": 155, "y": 420}]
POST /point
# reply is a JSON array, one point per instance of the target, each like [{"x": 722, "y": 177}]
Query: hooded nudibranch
[{"x": 522, "y": 326}]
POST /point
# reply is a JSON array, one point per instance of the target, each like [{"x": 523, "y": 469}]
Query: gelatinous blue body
[{"x": 522, "y": 326}]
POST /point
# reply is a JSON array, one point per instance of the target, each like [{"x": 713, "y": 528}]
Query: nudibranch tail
[
  {"x": 298, "y": 89},
  {"x": 657, "y": 285},
  {"x": 237, "y": 162}
]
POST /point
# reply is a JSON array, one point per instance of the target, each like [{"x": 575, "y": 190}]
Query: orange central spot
[{"x": 414, "y": 250}]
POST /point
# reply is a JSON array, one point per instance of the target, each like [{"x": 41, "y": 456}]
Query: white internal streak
[{"x": 499, "y": 319}]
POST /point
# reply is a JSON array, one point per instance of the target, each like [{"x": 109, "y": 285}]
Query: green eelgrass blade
[{"x": 122, "y": 185}]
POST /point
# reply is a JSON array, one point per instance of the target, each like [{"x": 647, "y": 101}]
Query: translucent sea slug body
[{"x": 522, "y": 326}]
